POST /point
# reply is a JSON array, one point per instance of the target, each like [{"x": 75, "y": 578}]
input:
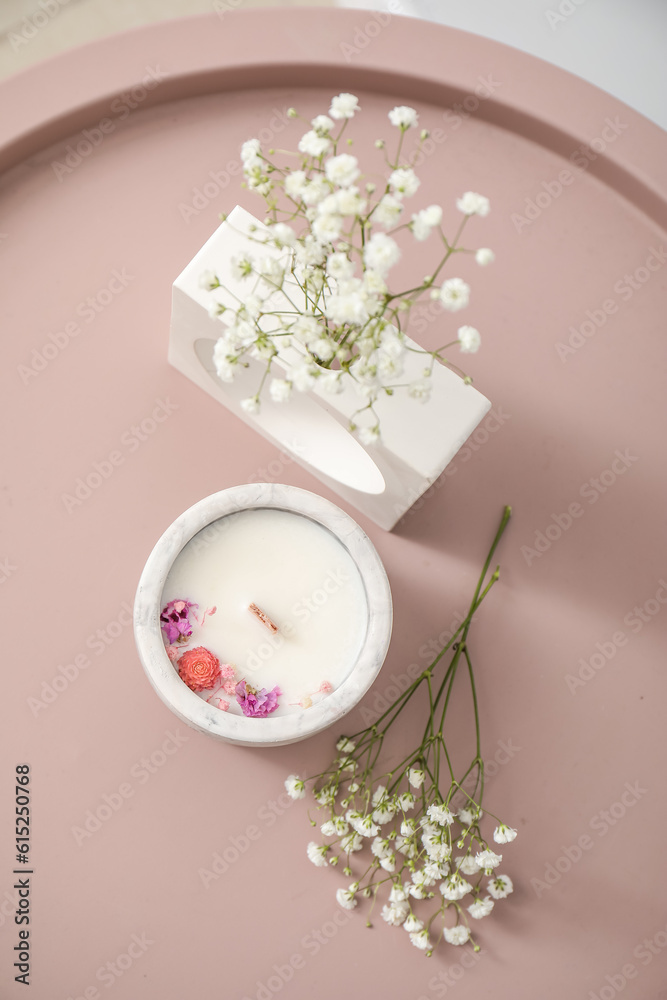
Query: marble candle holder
[
  {"x": 273, "y": 730},
  {"x": 383, "y": 480}
]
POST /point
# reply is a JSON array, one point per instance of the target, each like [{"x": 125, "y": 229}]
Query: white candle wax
[{"x": 300, "y": 575}]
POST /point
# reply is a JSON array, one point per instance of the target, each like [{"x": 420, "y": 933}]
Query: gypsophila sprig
[
  {"x": 322, "y": 306},
  {"x": 411, "y": 836}
]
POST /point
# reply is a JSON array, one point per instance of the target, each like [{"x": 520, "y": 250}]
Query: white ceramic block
[{"x": 382, "y": 480}]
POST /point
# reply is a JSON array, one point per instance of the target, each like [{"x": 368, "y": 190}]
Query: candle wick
[{"x": 263, "y": 617}]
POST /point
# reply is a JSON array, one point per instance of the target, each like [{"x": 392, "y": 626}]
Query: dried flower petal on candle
[
  {"x": 173, "y": 652},
  {"x": 227, "y": 671},
  {"x": 199, "y": 668},
  {"x": 257, "y": 704},
  {"x": 325, "y": 687},
  {"x": 175, "y": 621}
]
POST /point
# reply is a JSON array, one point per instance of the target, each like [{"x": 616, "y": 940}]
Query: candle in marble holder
[{"x": 263, "y": 615}]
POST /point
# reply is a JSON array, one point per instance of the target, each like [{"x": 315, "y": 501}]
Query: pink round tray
[{"x": 118, "y": 158}]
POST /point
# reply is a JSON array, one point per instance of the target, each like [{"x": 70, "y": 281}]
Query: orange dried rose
[{"x": 199, "y": 668}]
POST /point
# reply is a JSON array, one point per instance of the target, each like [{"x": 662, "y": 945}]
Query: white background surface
[{"x": 619, "y": 45}]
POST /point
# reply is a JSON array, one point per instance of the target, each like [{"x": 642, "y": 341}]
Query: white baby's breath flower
[
  {"x": 438, "y": 851},
  {"x": 406, "y": 801},
  {"x": 437, "y": 812},
  {"x": 317, "y": 854},
  {"x": 342, "y": 170},
  {"x": 420, "y": 391},
  {"x": 369, "y": 435},
  {"x": 328, "y": 829},
  {"x": 485, "y": 256},
  {"x": 295, "y": 786},
  {"x": 345, "y": 746},
  {"x": 469, "y": 339},
  {"x": 416, "y": 777},
  {"x": 417, "y": 892},
  {"x": 347, "y": 308},
  {"x": 379, "y": 795},
  {"x": 322, "y": 348},
  {"x": 454, "y": 294},
  {"x": 374, "y": 283},
  {"x": 313, "y": 144},
  {"x": 344, "y": 106},
  {"x": 398, "y": 893},
  {"x": 467, "y": 817},
  {"x": 331, "y": 382},
  {"x": 424, "y": 221},
  {"x": 271, "y": 271},
  {"x": 345, "y": 898},
  {"x": 413, "y": 924},
  {"x": 420, "y": 939},
  {"x": 467, "y": 865},
  {"x": 327, "y": 227},
  {"x": 381, "y": 847},
  {"x": 404, "y": 182},
  {"x": 396, "y": 913},
  {"x": 387, "y": 210},
  {"x": 322, "y": 124},
  {"x": 481, "y": 908},
  {"x": 435, "y": 870},
  {"x": 500, "y": 886},
  {"x": 504, "y": 834},
  {"x": 280, "y": 390},
  {"x": 367, "y": 828},
  {"x": 339, "y": 266},
  {"x": 407, "y": 847},
  {"x": 389, "y": 863},
  {"x": 295, "y": 182},
  {"x": 352, "y": 842},
  {"x": 215, "y": 310},
  {"x": 389, "y": 368},
  {"x": 303, "y": 376},
  {"x": 473, "y": 204},
  {"x": 283, "y": 235},
  {"x": 208, "y": 281},
  {"x": 315, "y": 191},
  {"x": 251, "y": 307},
  {"x": 349, "y": 202},
  {"x": 250, "y": 405},
  {"x": 309, "y": 252},
  {"x": 250, "y": 149},
  {"x": 241, "y": 266},
  {"x": 488, "y": 859},
  {"x": 306, "y": 327},
  {"x": 456, "y": 935},
  {"x": 455, "y": 887},
  {"x": 403, "y": 117},
  {"x": 381, "y": 253},
  {"x": 225, "y": 366}
]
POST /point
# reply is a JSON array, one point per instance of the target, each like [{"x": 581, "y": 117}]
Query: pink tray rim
[{"x": 274, "y": 47}]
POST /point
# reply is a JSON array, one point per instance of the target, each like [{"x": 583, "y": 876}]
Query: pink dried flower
[
  {"x": 199, "y": 668},
  {"x": 175, "y": 621},
  {"x": 325, "y": 687},
  {"x": 223, "y": 705},
  {"x": 173, "y": 652},
  {"x": 229, "y": 687},
  {"x": 227, "y": 671},
  {"x": 257, "y": 704}
]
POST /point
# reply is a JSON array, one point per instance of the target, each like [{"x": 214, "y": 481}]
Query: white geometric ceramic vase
[{"x": 381, "y": 480}]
